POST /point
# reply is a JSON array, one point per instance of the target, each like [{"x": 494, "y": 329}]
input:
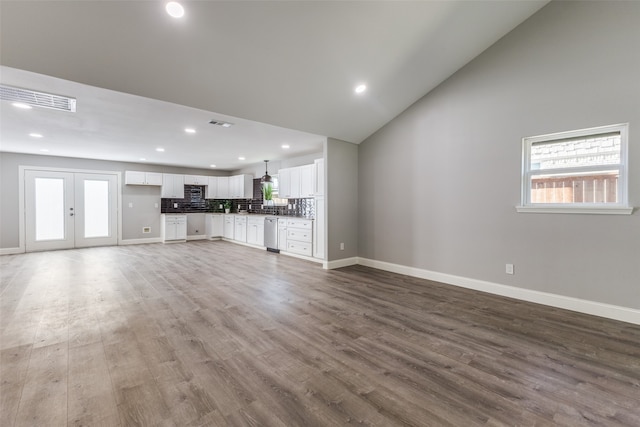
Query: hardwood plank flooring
[{"x": 216, "y": 334}]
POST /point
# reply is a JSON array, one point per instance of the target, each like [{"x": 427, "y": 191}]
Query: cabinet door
[
  {"x": 181, "y": 228},
  {"x": 284, "y": 183},
  {"x": 211, "y": 192},
  {"x": 260, "y": 234},
  {"x": 295, "y": 183},
  {"x": 229, "y": 227},
  {"x": 134, "y": 178},
  {"x": 170, "y": 228},
  {"x": 252, "y": 233},
  {"x": 282, "y": 238},
  {"x": 153, "y": 178},
  {"x": 241, "y": 231},
  {"x": 223, "y": 187},
  {"x": 318, "y": 182},
  {"x": 306, "y": 180},
  {"x": 172, "y": 186},
  {"x": 318, "y": 229},
  {"x": 234, "y": 186}
]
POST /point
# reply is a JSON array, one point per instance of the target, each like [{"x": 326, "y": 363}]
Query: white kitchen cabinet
[
  {"x": 318, "y": 182},
  {"x": 173, "y": 228},
  {"x": 255, "y": 230},
  {"x": 294, "y": 189},
  {"x": 229, "y": 226},
  {"x": 300, "y": 236},
  {"x": 306, "y": 181},
  {"x": 142, "y": 178},
  {"x": 241, "y": 187},
  {"x": 319, "y": 228},
  {"x": 284, "y": 183},
  {"x": 172, "y": 186},
  {"x": 196, "y": 180},
  {"x": 211, "y": 192},
  {"x": 223, "y": 187},
  {"x": 215, "y": 226},
  {"x": 240, "y": 229},
  {"x": 282, "y": 234}
]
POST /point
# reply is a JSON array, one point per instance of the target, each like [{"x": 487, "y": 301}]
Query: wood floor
[{"x": 217, "y": 334}]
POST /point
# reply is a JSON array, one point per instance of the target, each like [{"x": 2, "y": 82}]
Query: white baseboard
[
  {"x": 140, "y": 241},
  {"x": 11, "y": 251},
  {"x": 609, "y": 311},
  {"x": 197, "y": 237},
  {"x": 339, "y": 263}
]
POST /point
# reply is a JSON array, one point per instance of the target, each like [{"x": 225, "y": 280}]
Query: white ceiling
[{"x": 141, "y": 77}]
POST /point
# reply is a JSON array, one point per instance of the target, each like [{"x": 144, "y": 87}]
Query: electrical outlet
[
  {"x": 155, "y": 205},
  {"x": 175, "y": 206},
  {"x": 342, "y": 246},
  {"x": 130, "y": 204},
  {"x": 509, "y": 269}
]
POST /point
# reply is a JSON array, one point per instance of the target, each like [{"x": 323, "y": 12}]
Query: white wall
[{"x": 438, "y": 184}]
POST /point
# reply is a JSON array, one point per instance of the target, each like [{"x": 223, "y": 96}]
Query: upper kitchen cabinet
[
  {"x": 196, "y": 180},
  {"x": 306, "y": 181},
  {"x": 172, "y": 186},
  {"x": 318, "y": 182},
  {"x": 296, "y": 182},
  {"x": 211, "y": 192},
  {"x": 223, "y": 188},
  {"x": 284, "y": 183},
  {"x": 142, "y": 178},
  {"x": 241, "y": 187}
]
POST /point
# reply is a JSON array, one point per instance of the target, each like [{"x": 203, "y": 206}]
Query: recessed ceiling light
[
  {"x": 227, "y": 125},
  {"x": 35, "y": 135},
  {"x": 190, "y": 130},
  {"x": 22, "y": 106},
  {"x": 175, "y": 9},
  {"x": 142, "y": 159},
  {"x": 160, "y": 149},
  {"x": 361, "y": 88},
  {"x": 44, "y": 150},
  {"x": 286, "y": 146},
  {"x": 212, "y": 166},
  {"x": 241, "y": 158}
]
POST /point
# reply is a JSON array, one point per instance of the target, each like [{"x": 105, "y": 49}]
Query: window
[{"x": 582, "y": 171}]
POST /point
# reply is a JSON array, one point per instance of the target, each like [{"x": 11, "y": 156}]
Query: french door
[{"x": 70, "y": 210}]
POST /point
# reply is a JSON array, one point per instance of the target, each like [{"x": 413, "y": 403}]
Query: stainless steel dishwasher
[{"x": 271, "y": 234}]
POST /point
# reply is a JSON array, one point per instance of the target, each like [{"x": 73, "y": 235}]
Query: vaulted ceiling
[{"x": 291, "y": 65}]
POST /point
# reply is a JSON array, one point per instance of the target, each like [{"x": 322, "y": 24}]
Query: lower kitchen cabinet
[
  {"x": 282, "y": 234},
  {"x": 229, "y": 226},
  {"x": 174, "y": 228},
  {"x": 215, "y": 226},
  {"x": 300, "y": 236},
  {"x": 240, "y": 229},
  {"x": 255, "y": 231}
]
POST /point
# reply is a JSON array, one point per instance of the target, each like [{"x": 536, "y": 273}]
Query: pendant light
[{"x": 266, "y": 177}]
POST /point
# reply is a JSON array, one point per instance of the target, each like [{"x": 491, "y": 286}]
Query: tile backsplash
[{"x": 194, "y": 201}]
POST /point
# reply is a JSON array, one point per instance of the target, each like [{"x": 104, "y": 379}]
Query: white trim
[
  {"x": 305, "y": 257},
  {"x": 609, "y": 311},
  {"x": 197, "y": 237},
  {"x": 622, "y": 167},
  {"x": 140, "y": 241},
  {"x": 602, "y": 210},
  {"x": 11, "y": 251},
  {"x": 21, "y": 201},
  {"x": 339, "y": 263}
]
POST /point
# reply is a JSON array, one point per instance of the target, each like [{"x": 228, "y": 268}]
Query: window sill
[{"x": 597, "y": 210}]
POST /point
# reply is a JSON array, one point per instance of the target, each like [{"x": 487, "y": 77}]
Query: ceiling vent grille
[
  {"x": 221, "y": 123},
  {"x": 37, "y": 99}
]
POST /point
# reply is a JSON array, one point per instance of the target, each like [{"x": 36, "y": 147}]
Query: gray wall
[
  {"x": 142, "y": 214},
  {"x": 341, "y": 197},
  {"x": 438, "y": 184}
]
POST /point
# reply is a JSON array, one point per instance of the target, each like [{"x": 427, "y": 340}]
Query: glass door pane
[
  {"x": 49, "y": 209},
  {"x": 96, "y": 208}
]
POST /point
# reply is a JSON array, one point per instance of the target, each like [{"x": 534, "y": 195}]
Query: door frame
[{"x": 22, "y": 189}]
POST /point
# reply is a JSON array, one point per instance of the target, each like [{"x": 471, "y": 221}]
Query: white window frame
[{"x": 621, "y": 207}]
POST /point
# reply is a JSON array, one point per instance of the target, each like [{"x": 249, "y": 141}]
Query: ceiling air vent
[
  {"x": 221, "y": 123},
  {"x": 37, "y": 99}
]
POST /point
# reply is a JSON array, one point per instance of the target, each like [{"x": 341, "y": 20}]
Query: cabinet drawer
[
  {"x": 299, "y": 234},
  {"x": 300, "y": 248},
  {"x": 300, "y": 223}
]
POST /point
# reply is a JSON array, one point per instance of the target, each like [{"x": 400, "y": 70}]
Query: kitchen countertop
[{"x": 179, "y": 212}]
